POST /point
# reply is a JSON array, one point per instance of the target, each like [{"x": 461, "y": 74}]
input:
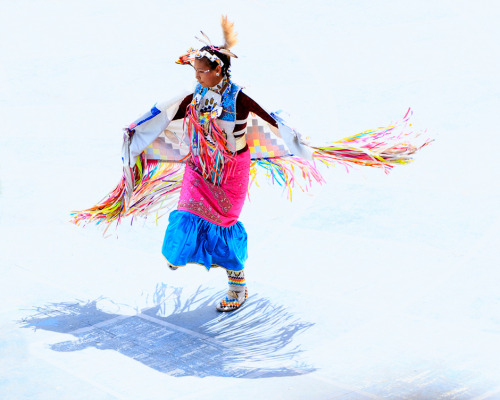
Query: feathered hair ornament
[
  {"x": 230, "y": 36},
  {"x": 230, "y": 39}
]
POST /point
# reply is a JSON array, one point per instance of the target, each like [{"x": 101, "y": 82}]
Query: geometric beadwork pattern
[
  {"x": 263, "y": 143},
  {"x": 166, "y": 147}
]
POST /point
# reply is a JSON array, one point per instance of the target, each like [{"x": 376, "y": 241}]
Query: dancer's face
[{"x": 204, "y": 75}]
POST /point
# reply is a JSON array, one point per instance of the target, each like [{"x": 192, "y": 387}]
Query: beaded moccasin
[{"x": 233, "y": 300}]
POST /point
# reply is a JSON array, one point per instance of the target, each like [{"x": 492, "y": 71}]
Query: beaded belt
[{"x": 241, "y": 142}]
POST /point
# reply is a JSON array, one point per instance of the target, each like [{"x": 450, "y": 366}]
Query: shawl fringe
[{"x": 153, "y": 185}]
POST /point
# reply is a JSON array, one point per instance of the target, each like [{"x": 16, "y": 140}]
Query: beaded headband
[{"x": 229, "y": 41}]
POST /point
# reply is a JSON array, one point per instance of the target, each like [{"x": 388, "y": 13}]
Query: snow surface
[{"x": 369, "y": 287}]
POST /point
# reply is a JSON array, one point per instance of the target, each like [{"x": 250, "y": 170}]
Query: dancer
[
  {"x": 206, "y": 146},
  {"x": 205, "y": 228}
]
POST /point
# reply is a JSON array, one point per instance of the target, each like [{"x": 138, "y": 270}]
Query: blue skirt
[{"x": 191, "y": 239}]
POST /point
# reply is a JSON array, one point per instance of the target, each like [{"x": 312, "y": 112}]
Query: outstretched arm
[{"x": 244, "y": 106}]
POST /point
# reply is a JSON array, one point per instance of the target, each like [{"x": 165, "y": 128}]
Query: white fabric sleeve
[{"x": 148, "y": 131}]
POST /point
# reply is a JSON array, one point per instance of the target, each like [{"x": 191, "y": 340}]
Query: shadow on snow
[{"x": 185, "y": 337}]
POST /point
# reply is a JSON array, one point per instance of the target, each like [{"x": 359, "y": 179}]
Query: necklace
[
  {"x": 211, "y": 99},
  {"x": 221, "y": 86}
]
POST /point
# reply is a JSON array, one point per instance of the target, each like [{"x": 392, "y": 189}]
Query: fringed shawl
[{"x": 153, "y": 160}]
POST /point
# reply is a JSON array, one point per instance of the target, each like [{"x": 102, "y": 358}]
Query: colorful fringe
[
  {"x": 286, "y": 172},
  {"x": 381, "y": 148},
  {"x": 155, "y": 185},
  {"x": 209, "y": 155}
]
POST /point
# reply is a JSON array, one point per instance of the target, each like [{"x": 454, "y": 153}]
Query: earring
[{"x": 217, "y": 74}]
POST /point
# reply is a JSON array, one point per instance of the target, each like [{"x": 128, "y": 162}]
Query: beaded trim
[{"x": 210, "y": 56}]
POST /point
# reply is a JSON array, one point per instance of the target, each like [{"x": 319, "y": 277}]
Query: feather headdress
[{"x": 230, "y": 39}]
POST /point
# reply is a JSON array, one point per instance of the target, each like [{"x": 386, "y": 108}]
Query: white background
[{"x": 397, "y": 275}]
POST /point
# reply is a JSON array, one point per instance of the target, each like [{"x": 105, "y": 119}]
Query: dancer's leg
[{"x": 237, "y": 292}]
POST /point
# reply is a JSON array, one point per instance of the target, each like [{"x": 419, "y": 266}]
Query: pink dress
[{"x": 205, "y": 228}]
